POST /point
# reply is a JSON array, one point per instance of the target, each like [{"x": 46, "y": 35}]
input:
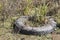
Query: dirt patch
[{"x": 56, "y": 37}]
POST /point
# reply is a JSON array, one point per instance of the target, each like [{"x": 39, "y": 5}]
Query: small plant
[
  {"x": 37, "y": 13},
  {"x": 40, "y": 13}
]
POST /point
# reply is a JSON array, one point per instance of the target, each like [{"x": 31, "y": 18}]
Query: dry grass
[{"x": 10, "y": 10}]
